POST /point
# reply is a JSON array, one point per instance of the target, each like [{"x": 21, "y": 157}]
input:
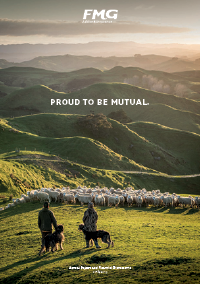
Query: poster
[{"x": 100, "y": 99}]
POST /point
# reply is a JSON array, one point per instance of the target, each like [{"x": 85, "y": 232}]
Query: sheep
[
  {"x": 99, "y": 200},
  {"x": 197, "y": 201},
  {"x": 1, "y": 208},
  {"x": 69, "y": 198},
  {"x": 148, "y": 199},
  {"x": 20, "y": 200},
  {"x": 61, "y": 197},
  {"x": 27, "y": 198},
  {"x": 31, "y": 195},
  {"x": 53, "y": 195},
  {"x": 11, "y": 205},
  {"x": 112, "y": 190},
  {"x": 42, "y": 196},
  {"x": 89, "y": 190},
  {"x": 83, "y": 198},
  {"x": 167, "y": 200},
  {"x": 175, "y": 200},
  {"x": 130, "y": 200},
  {"x": 157, "y": 201},
  {"x": 139, "y": 200},
  {"x": 185, "y": 200},
  {"x": 118, "y": 191},
  {"x": 104, "y": 190},
  {"x": 121, "y": 200},
  {"x": 106, "y": 196},
  {"x": 113, "y": 200}
]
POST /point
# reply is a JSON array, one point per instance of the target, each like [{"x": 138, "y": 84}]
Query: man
[
  {"x": 90, "y": 222},
  {"x": 45, "y": 220}
]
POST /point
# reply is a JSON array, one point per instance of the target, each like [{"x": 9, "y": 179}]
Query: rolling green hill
[
  {"x": 122, "y": 149},
  {"x": 174, "y": 141},
  {"x": 51, "y": 149},
  {"x": 71, "y": 81},
  {"x": 168, "y": 110}
]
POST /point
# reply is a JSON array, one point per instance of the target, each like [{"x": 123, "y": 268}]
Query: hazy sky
[{"x": 60, "y": 21}]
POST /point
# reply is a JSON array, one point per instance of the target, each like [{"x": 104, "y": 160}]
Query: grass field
[
  {"x": 50, "y": 149},
  {"x": 161, "y": 245}
]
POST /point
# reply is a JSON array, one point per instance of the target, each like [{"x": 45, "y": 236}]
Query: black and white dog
[
  {"x": 93, "y": 236},
  {"x": 52, "y": 240}
]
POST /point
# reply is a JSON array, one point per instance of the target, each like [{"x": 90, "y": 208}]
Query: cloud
[
  {"x": 143, "y": 7},
  {"x": 61, "y": 28}
]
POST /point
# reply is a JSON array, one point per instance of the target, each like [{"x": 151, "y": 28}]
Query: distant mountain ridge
[
  {"x": 182, "y": 84},
  {"x": 22, "y": 52},
  {"x": 68, "y": 62}
]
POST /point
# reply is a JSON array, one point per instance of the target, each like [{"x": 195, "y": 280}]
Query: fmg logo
[{"x": 103, "y": 14}]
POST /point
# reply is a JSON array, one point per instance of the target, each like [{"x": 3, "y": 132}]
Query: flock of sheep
[{"x": 109, "y": 197}]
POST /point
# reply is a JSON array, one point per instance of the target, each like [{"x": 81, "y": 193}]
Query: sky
[{"x": 61, "y": 21}]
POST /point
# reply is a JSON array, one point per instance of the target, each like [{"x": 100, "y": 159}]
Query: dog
[
  {"x": 52, "y": 240},
  {"x": 99, "y": 234}
]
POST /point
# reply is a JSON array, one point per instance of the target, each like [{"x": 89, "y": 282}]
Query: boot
[
  {"x": 87, "y": 244},
  {"x": 96, "y": 244}
]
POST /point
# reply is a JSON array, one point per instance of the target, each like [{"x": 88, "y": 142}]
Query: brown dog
[{"x": 52, "y": 240}]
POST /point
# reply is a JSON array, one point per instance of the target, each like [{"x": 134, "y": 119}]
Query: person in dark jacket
[
  {"x": 46, "y": 219},
  {"x": 90, "y": 221}
]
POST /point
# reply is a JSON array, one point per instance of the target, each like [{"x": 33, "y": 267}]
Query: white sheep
[
  {"x": 157, "y": 201},
  {"x": 83, "y": 198},
  {"x": 42, "y": 196},
  {"x": 11, "y": 205},
  {"x": 167, "y": 200},
  {"x": 130, "y": 200},
  {"x": 99, "y": 200},
  {"x": 20, "y": 200},
  {"x": 139, "y": 200},
  {"x": 53, "y": 195},
  {"x": 113, "y": 200},
  {"x": 31, "y": 195},
  {"x": 184, "y": 201},
  {"x": 27, "y": 198},
  {"x": 121, "y": 200},
  {"x": 69, "y": 198}
]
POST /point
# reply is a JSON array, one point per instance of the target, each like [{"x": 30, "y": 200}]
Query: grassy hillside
[
  {"x": 70, "y": 81},
  {"x": 175, "y": 141},
  {"x": 120, "y": 138},
  {"x": 32, "y": 170},
  {"x": 160, "y": 245},
  {"x": 168, "y": 110},
  {"x": 122, "y": 149}
]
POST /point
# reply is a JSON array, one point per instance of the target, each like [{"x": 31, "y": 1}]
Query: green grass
[
  {"x": 8, "y": 89},
  {"x": 160, "y": 245},
  {"x": 32, "y": 170},
  {"x": 49, "y": 145},
  {"x": 122, "y": 149}
]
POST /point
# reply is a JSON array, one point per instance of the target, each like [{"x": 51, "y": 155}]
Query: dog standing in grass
[
  {"x": 46, "y": 220},
  {"x": 52, "y": 240},
  {"x": 93, "y": 236}
]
